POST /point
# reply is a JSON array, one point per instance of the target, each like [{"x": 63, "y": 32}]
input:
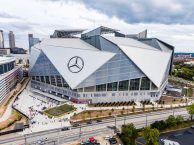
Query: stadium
[{"x": 103, "y": 65}]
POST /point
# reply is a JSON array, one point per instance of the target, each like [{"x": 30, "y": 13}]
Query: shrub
[
  {"x": 160, "y": 125},
  {"x": 171, "y": 121},
  {"x": 179, "y": 119}
]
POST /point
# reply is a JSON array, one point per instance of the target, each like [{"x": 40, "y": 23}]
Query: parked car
[
  {"x": 107, "y": 137},
  {"x": 76, "y": 125},
  {"x": 89, "y": 122},
  {"x": 192, "y": 126},
  {"x": 64, "y": 128},
  {"x": 112, "y": 140},
  {"x": 98, "y": 120}
]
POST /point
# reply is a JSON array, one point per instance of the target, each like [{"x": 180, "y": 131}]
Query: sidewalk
[{"x": 9, "y": 108}]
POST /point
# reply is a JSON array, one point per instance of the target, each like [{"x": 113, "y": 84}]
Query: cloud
[
  {"x": 7, "y": 15},
  {"x": 42, "y": 17},
  {"x": 146, "y": 11}
]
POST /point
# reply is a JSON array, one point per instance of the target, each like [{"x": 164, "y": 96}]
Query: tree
[
  {"x": 160, "y": 125},
  {"x": 129, "y": 134},
  {"x": 133, "y": 109},
  {"x": 179, "y": 119},
  {"x": 190, "y": 92},
  {"x": 150, "y": 136},
  {"x": 190, "y": 110},
  {"x": 171, "y": 121}
]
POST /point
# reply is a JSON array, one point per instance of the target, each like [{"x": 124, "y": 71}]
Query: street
[{"x": 96, "y": 128}]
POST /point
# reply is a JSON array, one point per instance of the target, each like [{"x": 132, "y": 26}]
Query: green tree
[
  {"x": 150, "y": 136},
  {"x": 171, "y": 121},
  {"x": 129, "y": 134},
  {"x": 133, "y": 109},
  {"x": 179, "y": 119},
  {"x": 190, "y": 110},
  {"x": 190, "y": 92}
]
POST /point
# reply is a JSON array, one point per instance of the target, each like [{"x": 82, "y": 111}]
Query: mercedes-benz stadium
[{"x": 103, "y": 65}]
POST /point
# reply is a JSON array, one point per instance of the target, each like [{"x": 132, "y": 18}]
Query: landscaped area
[
  {"x": 59, "y": 110},
  {"x": 15, "y": 116}
]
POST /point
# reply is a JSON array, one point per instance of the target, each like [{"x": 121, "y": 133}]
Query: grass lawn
[{"x": 59, "y": 110}]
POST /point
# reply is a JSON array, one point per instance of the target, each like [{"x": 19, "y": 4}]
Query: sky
[{"x": 169, "y": 20}]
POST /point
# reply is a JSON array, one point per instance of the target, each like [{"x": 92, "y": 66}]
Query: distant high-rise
[
  {"x": 1, "y": 39},
  {"x": 11, "y": 39},
  {"x": 32, "y": 41}
]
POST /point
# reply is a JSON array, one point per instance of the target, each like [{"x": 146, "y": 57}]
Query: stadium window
[
  {"x": 145, "y": 84},
  {"x": 112, "y": 86},
  {"x": 134, "y": 84},
  {"x": 123, "y": 85}
]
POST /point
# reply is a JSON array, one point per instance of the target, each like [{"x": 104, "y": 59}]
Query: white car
[
  {"x": 169, "y": 142},
  {"x": 107, "y": 137}
]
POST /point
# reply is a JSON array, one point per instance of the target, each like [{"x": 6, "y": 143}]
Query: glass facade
[
  {"x": 123, "y": 85},
  {"x": 118, "y": 68},
  {"x": 145, "y": 84},
  {"x": 112, "y": 86},
  {"x": 134, "y": 84},
  {"x": 101, "y": 88},
  {"x": 6, "y": 67}
]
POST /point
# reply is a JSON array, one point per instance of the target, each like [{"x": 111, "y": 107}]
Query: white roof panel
[
  {"x": 152, "y": 63},
  {"x": 128, "y": 42},
  {"x": 75, "y": 43},
  {"x": 62, "y": 57}
]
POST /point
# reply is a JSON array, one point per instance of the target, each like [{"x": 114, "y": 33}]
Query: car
[
  {"x": 192, "y": 126},
  {"x": 112, "y": 140},
  {"x": 45, "y": 138},
  {"x": 64, "y": 128},
  {"x": 76, "y": 125},
  {"x": 107, "y": 137},
  {"x": 89, "y": 122},
  {"x": 98, "y": 120}
]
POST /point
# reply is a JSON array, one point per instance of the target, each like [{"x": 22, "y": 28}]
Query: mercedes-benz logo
[{"x": 75, "y": 64}]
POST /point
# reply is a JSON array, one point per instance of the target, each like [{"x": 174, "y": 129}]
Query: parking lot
[
  {"x": 183, "y": 137},
  {"x": 99, "y": 141}
]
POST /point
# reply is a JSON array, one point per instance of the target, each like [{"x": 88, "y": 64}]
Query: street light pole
[
  {"x": 80, "y": 131},
  {"x": 146, "y": 119}
]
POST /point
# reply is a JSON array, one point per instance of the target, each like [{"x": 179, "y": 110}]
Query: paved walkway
[{"x": 9, "y": 108}]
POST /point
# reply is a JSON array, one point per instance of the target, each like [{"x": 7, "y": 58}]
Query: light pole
[
  {"x": 80, "y": 131},
  {"x": 115, "y": 123},
  {"x": 146, "y": 119},
  {"x": 59, "y": 132},
  {"x": 124, "y": 119}
]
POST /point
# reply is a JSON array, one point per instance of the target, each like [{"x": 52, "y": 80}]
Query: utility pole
[
  {"x": 146, "y": 119},
  {"x": 80, "y": 131},
  {"x": 25, "y": 139},
  {"x": 115, "y": 124}
]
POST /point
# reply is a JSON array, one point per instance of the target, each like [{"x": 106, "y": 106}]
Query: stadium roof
[
  {"x": 60, "y": 52},
  {"x": 151, "y": 61}
]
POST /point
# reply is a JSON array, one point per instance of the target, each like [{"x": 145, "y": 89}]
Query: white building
[
  {"x": 100, "y": 68},
  {"x": 10, "y": 75}
]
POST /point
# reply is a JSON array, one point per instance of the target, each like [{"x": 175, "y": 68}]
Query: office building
[
  {"x": 32, "y": 41},
  {"x": 1, "y": 39},
  {"x": 11, "y": 39},
  {"x": 10, "y": 75},
  {"x": 101, "y": 68}
]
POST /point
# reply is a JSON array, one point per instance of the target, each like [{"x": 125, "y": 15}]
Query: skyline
[{"x": 170, "y": 21}]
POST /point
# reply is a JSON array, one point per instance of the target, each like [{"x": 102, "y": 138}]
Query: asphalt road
[{"x": 95, "y": 129}]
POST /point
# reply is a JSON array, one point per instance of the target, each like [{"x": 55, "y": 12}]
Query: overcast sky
[{"x": 169, "y": 20}]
